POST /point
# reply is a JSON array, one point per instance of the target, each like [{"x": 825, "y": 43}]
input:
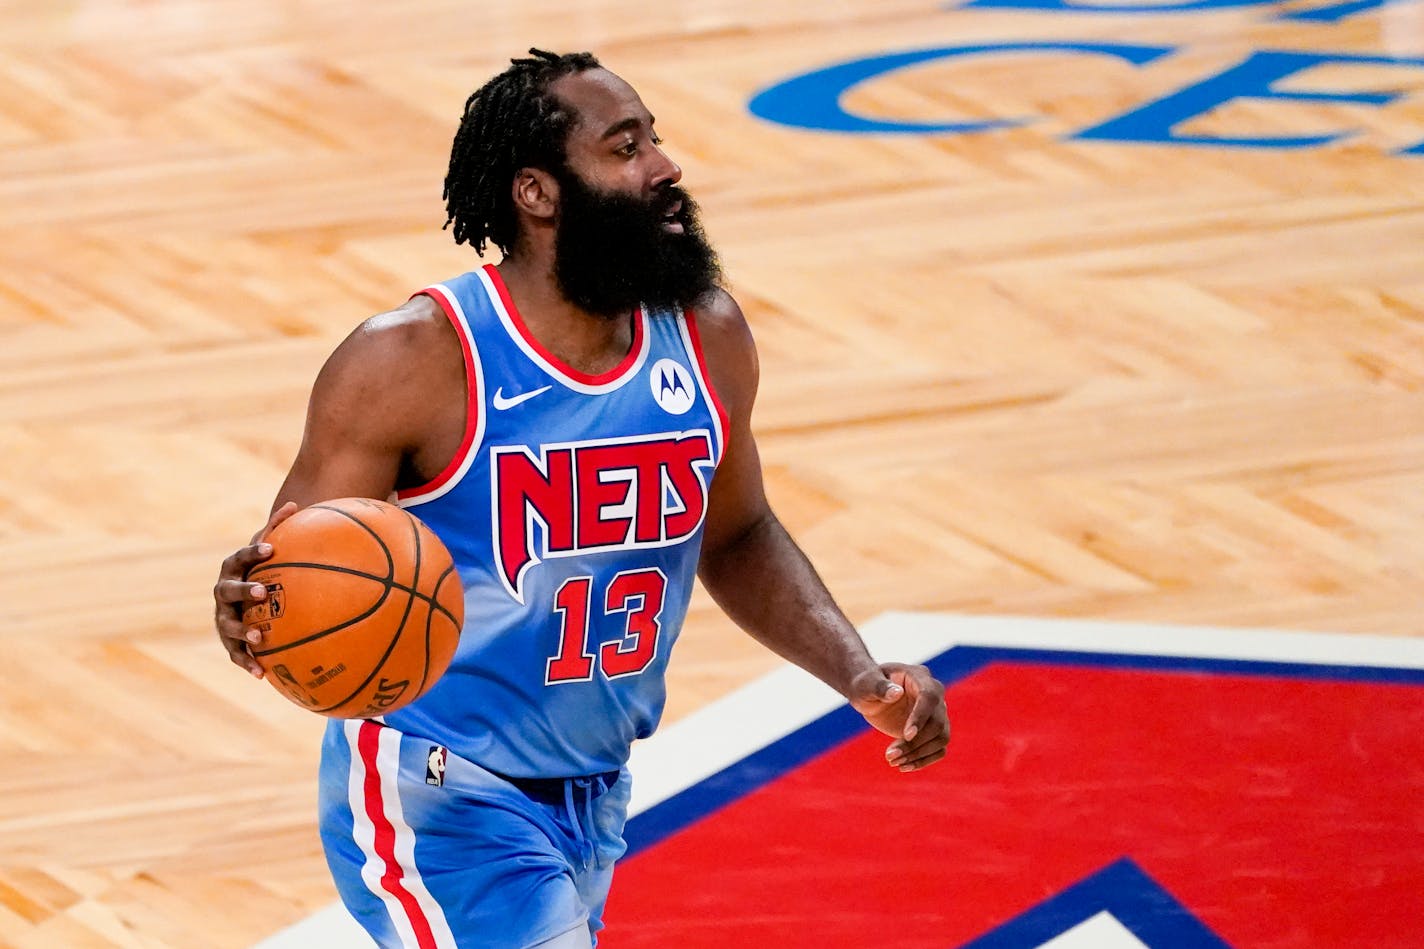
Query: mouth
[{"x": 671, "y": 224}]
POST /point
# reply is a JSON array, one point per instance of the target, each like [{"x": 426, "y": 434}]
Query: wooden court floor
[{"x": 1010, "y": 372}]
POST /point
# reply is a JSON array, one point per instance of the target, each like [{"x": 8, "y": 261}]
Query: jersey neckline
[{"x": 576, "y": 379}]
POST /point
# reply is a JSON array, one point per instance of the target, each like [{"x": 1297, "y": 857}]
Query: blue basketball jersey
[{"x": 574, "y": 512}]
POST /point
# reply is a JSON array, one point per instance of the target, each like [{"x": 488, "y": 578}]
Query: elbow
[{"x": 736, "y": 546}]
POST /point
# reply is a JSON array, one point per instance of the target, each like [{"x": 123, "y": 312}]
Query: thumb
[{"x": 888, "y": 691}]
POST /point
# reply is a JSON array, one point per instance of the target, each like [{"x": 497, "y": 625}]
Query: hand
[
  {"x": 232, "y": 594},
  {"x": 906, "y": 703}
]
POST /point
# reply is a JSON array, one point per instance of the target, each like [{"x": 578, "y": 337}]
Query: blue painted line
[{"x": 1123, "y": 889}]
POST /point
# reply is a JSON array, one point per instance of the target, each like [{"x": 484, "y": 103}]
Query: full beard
[{"x": 612, "y": 251}]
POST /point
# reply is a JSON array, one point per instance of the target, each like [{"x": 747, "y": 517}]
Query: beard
[{"x": 612, "y": 251}]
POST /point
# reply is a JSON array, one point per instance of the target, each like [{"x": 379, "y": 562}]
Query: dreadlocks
[{"x": 510, "y": 122}]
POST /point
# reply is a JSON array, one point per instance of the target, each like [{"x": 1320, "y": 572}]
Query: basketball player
[{"x": 575, "y": 425}]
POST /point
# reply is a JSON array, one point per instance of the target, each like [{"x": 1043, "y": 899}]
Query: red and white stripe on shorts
[{"x": 387, "y": 840}]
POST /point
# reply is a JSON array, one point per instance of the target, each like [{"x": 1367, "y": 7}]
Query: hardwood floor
[{"x": 1008, "y": 372}]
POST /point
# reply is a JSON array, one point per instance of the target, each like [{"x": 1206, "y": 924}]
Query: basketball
[{"x": 363, "y": 608}]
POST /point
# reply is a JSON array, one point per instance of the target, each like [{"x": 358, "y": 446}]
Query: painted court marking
[
  {"x": 726, "y": 731},
  {"x": 1102, "y": 931}
]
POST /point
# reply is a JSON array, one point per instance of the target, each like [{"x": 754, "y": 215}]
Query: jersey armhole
[
  {"x": 474, "y": 417},
  {"x": 704, "y": 378}
]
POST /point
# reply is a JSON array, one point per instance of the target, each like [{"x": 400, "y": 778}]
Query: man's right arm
[{"x": 373, "y": 409}]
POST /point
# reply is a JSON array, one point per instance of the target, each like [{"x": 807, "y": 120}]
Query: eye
[
  {"x": 656, "y": 138},
  {"x": 628, "y": 149}
]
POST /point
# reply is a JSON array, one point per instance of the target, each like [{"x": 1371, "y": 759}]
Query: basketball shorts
[{"x": 430, "y": 851}]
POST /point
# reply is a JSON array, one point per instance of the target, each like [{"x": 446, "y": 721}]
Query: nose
[{"x": 668, "y": 173}]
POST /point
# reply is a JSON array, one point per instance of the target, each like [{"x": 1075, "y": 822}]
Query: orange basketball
[{"x": 363, "y": 608}]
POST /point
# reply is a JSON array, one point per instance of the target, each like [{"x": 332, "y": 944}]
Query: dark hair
[{"x": 510, "y": 122}]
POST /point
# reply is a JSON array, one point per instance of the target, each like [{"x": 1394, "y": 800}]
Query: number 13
[{"x": 636, "y": 593}]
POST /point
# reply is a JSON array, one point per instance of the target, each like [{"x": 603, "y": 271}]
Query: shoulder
[
  {"x": 729, "y": 350},
  {"x": 396, "y": 360},
  {"x": 721, "y": 323},
  {"x": 418, "y": 328},
  {"x": 408, "y": 338}
]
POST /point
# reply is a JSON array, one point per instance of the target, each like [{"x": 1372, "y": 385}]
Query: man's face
[{"x": 626, "y": 233}]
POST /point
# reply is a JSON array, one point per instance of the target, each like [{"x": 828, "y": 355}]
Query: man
[{"x": 575, "y": 424}]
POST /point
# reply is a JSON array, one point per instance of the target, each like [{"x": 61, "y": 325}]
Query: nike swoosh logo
[{"x": 501, "y": 403}]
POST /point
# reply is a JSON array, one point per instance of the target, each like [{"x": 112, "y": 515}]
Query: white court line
[
  {"x": 727, "y": 730},
  {"x": 1100, "y": 931}
]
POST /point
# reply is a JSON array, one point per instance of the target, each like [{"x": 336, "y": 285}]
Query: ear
[{"x": 536, "y": 193}]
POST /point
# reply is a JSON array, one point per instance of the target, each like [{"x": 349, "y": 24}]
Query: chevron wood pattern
[{"x": 1008, "y": 372}]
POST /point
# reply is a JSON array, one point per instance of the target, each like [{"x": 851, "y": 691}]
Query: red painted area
[{"x": 1284, "y": 813}]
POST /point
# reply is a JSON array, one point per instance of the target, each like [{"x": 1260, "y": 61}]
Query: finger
[
  {"x": 239, "y": 655},
  {"x": 244, "y": 559},
  {"x": 230, "y": 592},
  {"x": 232, "y": 629},
  {"x": 921, "y": 763},
  {"x": 901, "y": 750},
  {"x": 278, "y": 516},
  {"x": 935, "y": 752},
  {"x": 233, "y": 598},
  {"x": 932, "y": 731},
  {"x": 928, "y": 704}
]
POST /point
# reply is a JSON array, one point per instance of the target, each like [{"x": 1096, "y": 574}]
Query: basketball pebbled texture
[{"x": 363, "y": 610}]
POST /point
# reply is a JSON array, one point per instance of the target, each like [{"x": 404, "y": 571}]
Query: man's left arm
[{"x": 759, "y": 576}]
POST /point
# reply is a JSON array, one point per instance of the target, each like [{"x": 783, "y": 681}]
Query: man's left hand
[{"x": 906, "y": 703}]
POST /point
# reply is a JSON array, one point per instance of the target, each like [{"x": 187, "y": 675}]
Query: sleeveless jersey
[{"x": 574, "y": 512}]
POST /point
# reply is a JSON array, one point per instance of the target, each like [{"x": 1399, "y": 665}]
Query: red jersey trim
[
  {"x": 473, "y": 402},
  {"x": 723, "y": 419},
  {"x": 630, "y": 361}
]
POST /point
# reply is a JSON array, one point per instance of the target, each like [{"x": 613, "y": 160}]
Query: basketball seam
[
  {"x": 364, "y": 682},
  {"x": 388, "y": 581},
  {"x": 390, "y": 561},
  {"x": 385, "y": 594},
  {"x": 388, "y": 584},
  {"x": 358, "y": 573},
  {"x": 414, "y": 583},
  {"x": 400, "y": 628},
  {"x": 430, "y": 617}
]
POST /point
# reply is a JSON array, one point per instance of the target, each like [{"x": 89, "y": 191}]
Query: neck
[{"x": 586, "y": 341}]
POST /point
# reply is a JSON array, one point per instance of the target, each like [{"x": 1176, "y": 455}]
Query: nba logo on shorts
[{"x": 435, "y": 766}]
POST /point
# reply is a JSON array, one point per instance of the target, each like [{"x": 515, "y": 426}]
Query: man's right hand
[{"x": 232, "y": 594}]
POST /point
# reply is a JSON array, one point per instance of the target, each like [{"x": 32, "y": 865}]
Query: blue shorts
[{"x": 430, "y": 851}]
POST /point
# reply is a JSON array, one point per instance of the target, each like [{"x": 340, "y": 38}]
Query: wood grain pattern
[{"x": 1005, "y": 373}]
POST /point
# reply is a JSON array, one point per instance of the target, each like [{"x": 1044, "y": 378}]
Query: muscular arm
[
  {"x": 378, "y": 418},
  {"x": 381, "y": 416},
  {"x": 750, "y": 565},
  {"x": 765, "y": 584}
]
